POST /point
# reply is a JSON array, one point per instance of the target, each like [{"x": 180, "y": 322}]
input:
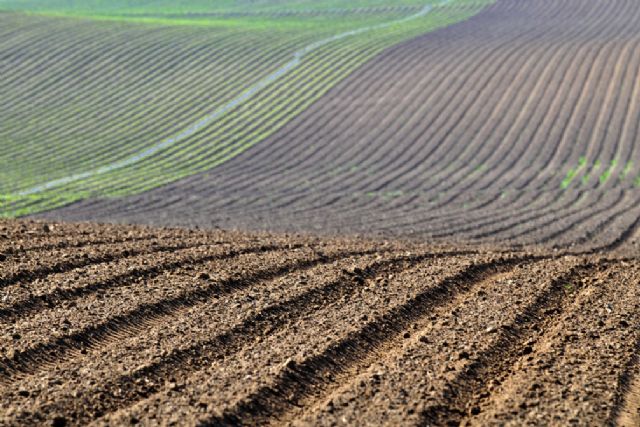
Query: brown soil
[
  {"x": 463, "y": 134},
  {"x": 522, "y": 309},
  {"x": 117, "y": 325}
]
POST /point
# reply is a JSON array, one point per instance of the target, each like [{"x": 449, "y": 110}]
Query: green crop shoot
[
  {"x": 587, "y": 177},
  {"x": 606, "y": 174},
  {"x": 222, "y": 82},
  {"x": 571, "y": 173},
  {"x": 627, "y": 170}
]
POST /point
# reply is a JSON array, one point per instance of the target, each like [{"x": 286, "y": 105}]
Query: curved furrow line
[
  {"x": 165, "y": 60},
  {"x": 450, "y": 133},
  {"x": 461, "y": 395},
  {"x": 184, "y": 361},
  {"x": 259, "y": 147},
  {"x": 545, "y": 204},
  {"x": 625, "y": 153},
  {"x": 200, "y": 324},
  {"x": 447, "y": 98},
  {"x": 629, "y": 234},
  {"x": 499, "y": 224},
  {"x": 398, "y": 387},
  {"x": 38, "y": 50},
  {"x": 250, "y": 183},
  {"x": 226, "y": 153},
  {"x": 115, "y": 52},
  {"x": 36, "y": 303},
  {"x": 518, "y": 158},
  {"x": 564, "y": 151},
  {"x": 397, "y": 211},
  {"x": 368, "y": 154},
  {"x": 316, "y": 375},
  {"x": 65, "y": 243},
  {"x": 139, "y": 83},
  {"x": 535, "y": 376},
  {"x": 515, "y": 128},
  {"x": 559, "y": 204},
  {"x": 606, "y": 100},
  {"x": 73, "y": 48},
  {"x": 618, "y": 226},
  {"x": 422, "y": 227},
  {"x": 485, "y": 160},
  {"x": 122, "y": 176},
  {"x": 111, "y": 293},
  {"x": 296, "y": 127},
  {"x": 41, "y": 355},
  {"x": 581, "y": 218},
  {"x": 608, "y": 128},
  {"x": 391, "y": 158},
  {"x": 566, "y": 220},
  {"x": 132, "y": 118},
  {"x": 30, "y": 274},
  {"x": 461, "y": 191}
]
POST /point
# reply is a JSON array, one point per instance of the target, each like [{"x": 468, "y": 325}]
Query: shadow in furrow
[
  {"x": 51, "y": 300},
  {"x": 316, "y": 375},
  {"x": 66, "y": 266},
  {"x": 41, "y": 355},
  {"x": 129, "y": 389},
  {"x": 461, "y": 396},
  {"x": 66, "y": 244},
  {"x": 151, "y": 379},
  {"x": 621, "y": 240}
]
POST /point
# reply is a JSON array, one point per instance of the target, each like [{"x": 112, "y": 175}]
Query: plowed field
[
  {"x": 516, "y": 126},
  {"x": 125, "y": 325},
  {"x": 487, "y": 174}
]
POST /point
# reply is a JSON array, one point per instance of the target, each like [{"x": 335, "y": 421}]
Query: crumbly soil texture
[{"x": 129, "y": 325}]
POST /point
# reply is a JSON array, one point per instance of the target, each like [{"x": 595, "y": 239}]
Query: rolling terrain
[
  {"x": 115, "y": 325},
  {"x": 114, "y": 103},
  {"x": 421, "y": 214},
  {"x": 518, "y": 126}
]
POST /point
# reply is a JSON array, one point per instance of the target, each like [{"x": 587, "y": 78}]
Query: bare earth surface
[
  {"x": 518, "y": 126},
  {"x": 493, "y": 167},
  {"x": 119, "y": 325}
]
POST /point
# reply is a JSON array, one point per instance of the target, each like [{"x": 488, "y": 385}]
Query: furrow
[
  {"x": 320, "y": 373},
  {"x": 126, "y": 390},
  {"x": 39, "y": 356},
  {"x": 25, "y": 275},
  {"x": 35, "y": 303},
  {"x": 464, "y": 394},
  {"x": 567, "y": 372}
]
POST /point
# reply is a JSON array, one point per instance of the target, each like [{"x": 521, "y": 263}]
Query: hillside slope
[{"x": 518, "y": 126}]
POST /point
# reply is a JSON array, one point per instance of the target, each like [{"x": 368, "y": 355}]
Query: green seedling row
[{"x": 126, "y": 108}]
